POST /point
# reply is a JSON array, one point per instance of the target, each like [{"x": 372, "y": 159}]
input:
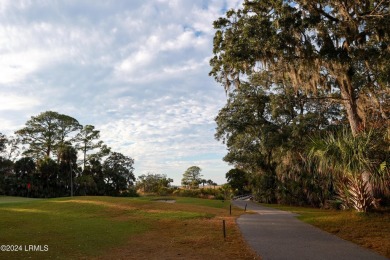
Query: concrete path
[{"x": 276, "y": 234}]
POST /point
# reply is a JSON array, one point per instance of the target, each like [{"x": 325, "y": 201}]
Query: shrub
[{"x": 129, "y": 193}]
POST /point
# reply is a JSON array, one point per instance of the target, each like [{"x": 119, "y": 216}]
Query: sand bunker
[{"x": 166, "y": 201}]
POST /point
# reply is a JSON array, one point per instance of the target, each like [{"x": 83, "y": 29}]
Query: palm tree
[{"x": 353, "y": 161}]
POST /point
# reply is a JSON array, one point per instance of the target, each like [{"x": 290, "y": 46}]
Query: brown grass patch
[
  {"x": 199, "y": 238},
  {"x": 110, "y": 205}
]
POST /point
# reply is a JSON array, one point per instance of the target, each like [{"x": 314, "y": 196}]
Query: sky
[{"x": 137, "y": 70}]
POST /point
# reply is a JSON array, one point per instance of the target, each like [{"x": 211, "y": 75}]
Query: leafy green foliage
[
  {"x": 118, "y": 171},
  {"x": 301, "y": 69},
  {"x": 153, "y": 183},
  {"x": 335, "y": 48},
  {"x": 265, "y": 133},
  {"x": 192, "y": 177},
  {"x": 45, "y": 133},
  {"x": 355, "y": 161},
  {"x": 238, "y": 181}
]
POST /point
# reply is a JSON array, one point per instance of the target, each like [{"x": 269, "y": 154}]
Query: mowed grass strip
[
  {"x": 370, "y": 230},
  {"x": 121, "y": 228},
  {"x": 11, "y": 199}
]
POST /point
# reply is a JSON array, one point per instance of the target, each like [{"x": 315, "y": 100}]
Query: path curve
[{"x": 276, "y": 234}]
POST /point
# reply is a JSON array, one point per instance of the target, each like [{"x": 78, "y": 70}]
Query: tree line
[
  {"x": 152, "y": 183},
  {"x": 307, "y": 116},
  {"x": 41, "y": 160}
]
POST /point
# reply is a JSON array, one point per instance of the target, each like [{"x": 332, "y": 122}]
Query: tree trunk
[
  {"x": 356, "y": 125},
  {"x": 350, "y": 105}
]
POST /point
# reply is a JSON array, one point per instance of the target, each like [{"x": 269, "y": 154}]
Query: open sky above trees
[{"x": 136, "y": 70}]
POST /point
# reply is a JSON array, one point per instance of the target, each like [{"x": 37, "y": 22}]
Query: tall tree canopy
[
  {"x": 45, "y": 133},
  {"x": 88, "y": 139},
  {"x": 338, "y": 49},
  {"x": 302, "y": 70}
]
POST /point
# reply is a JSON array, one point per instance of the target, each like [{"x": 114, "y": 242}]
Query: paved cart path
[{"x": 276, "y": 234}]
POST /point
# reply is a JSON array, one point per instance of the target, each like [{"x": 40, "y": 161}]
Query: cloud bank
[{"x": 136, "y": 70}]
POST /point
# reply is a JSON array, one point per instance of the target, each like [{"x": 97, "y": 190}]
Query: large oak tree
[{"x": 337, "y": 48}]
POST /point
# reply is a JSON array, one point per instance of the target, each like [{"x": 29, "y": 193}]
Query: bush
[
  {"x": 204, "y": 193},
  {"x": 129, "y": 193},
  {"x": 164, "y": 191}
]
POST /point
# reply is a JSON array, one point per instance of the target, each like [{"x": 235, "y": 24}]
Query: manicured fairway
[
  {"x": 114, "y": 228},
  {"x": 10, "y": 199}
]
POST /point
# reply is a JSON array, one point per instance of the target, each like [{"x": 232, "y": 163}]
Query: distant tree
[
  {"x": 153, "y": 182},
  {"x": 118, "y": 171},
  {"x": 211, "y": 183},
  {"x": 88, "y": 139},
  {"x": 203, "y": 182},
  {"x": 192, "y": 177},
  {"x": 46, "y": 132}
]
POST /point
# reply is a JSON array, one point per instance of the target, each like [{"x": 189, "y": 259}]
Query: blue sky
[{"x": 137, "y": 70}]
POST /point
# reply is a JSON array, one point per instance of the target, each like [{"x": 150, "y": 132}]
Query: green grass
[
  {"x": 85, "y": 225},
  {"x": 83, "y": 228},
  {"x": 10, "y": 199},
  {"x": 370, "y": 230},
  {"x": 106, "y": 227}
]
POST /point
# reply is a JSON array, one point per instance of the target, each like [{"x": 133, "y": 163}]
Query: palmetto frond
[
  {"x": 351, "y": 159},
  {"x": 354, "y": 193}
]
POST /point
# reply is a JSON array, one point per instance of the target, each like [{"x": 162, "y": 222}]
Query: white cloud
[
  {"x": 166, "y": 133},
  {"x": 137, "y": 70},
  {"x": 13, "y": 102},
  {"x": 136, "y": 61}
]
